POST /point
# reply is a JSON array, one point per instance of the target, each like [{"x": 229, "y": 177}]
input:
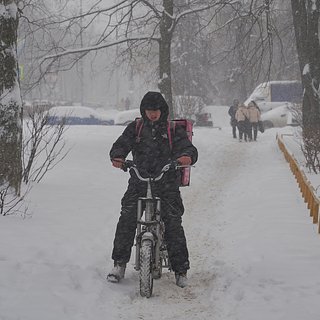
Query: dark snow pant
[
  {"x": 233, "y": 124},
  {"x": 250, "y": 131},
  {"x": 234, "y": 131},
  {"x": 254, "y": 126},
  {"x": 243, "y": 130},
  {"x": 171, "y": 211}
]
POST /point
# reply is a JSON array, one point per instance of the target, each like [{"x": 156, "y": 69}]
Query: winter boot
[
  {"x": 181, "y": 279},
  {"x": 117, "y": 273}
]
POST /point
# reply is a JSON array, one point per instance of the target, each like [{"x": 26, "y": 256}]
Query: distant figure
[
  {"x": 127, "y": 104},
  {"x": 242, "y": 117},
  {"x": 121, "y": 104},
  {"x": 254, "y": 118},
  {"x": 233, "y": 121}
]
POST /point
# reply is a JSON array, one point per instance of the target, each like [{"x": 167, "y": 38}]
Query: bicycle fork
[{"x": 149, "y": 228}]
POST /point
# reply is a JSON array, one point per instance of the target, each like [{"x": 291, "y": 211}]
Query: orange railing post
[{"x": 306, "y": 189}]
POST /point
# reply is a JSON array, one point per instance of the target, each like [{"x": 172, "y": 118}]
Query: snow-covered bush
[{"x": 187, "y": 106}]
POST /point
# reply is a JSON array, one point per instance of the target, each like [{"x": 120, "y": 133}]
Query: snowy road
[{"x": 246, "y": 225}]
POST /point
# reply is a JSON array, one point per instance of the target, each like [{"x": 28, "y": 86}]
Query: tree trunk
[
  {"x": 306, "y": 19},
  {"x": 10, "y": 99},
  {"x": 165, "y": 85}
]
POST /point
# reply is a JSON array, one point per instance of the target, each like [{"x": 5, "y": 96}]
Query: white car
[
  {"x": 127, "y": 116},
  {"x": 77, "y": 115},
  {"x": 278, "y": 117}
]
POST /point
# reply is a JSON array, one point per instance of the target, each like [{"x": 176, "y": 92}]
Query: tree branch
[{"x": 94, "y": 48}]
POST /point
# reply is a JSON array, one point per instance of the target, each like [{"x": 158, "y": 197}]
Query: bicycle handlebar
[{"x": 129, "y": 164}]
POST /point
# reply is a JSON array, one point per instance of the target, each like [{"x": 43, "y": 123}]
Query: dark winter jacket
[
  {"x": 151, "y": 150},
  {"x": 232, "y": 113}
]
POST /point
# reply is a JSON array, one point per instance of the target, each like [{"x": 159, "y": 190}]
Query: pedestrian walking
[
  {"x": 254, "y": 118},
  {"x": 242, "y": 117},
  {"x": 233, "y": 121}
]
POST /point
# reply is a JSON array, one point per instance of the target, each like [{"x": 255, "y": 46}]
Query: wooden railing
[{"x": 307, "y": 190}]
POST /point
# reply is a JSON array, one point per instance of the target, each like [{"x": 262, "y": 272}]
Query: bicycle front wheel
[{"x": 146, "y": 279}]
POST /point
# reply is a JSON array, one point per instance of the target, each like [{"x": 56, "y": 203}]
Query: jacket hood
[{"x": 153, "y": 101}]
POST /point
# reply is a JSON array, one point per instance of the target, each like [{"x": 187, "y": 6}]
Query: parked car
[
  {"x": 127, "y": 116},
  {"x": 278, "y": 117},
  {"x": 77, "y": 115}
]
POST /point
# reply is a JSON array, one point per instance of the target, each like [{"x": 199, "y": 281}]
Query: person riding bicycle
[{"x": 151, "y": 150}]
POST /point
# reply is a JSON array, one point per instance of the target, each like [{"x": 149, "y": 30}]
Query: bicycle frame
[
  {"x": 151, "y": 227},
  {"x": 151, "y": 252}
]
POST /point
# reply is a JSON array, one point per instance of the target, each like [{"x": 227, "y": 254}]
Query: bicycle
[{"x": 151, "y": 252}]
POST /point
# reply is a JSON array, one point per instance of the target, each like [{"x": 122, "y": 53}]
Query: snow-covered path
[{"x": 253, "y": 250}]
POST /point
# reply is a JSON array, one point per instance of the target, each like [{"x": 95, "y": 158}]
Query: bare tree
[
  {"x": 188, "y": 106},
  {"x": 136, "y": 25},
  {"x": 10, "y": 203},
  {"x": 249, "y": 43},
  {"x": 11, "y": 173},
  {"x": 235, "y": 40},
  {"x": 43, "y": 144},
  {"x": 10, "y": 99},
  {"x": 40, "y": 36},
  {"x": 43, "y": 148}
]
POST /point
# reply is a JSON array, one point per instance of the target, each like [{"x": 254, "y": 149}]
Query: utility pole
[
  {"x": 117, "y": 74},
  {"x": 81, "y": 61}
]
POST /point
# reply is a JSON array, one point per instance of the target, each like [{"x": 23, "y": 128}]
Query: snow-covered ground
[{"x": 254, "y": 251}]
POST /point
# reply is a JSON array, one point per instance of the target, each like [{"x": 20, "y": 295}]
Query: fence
[{"x": 307, "y": 190}]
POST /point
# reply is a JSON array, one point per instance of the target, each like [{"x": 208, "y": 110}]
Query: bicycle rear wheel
[{"x": 146, "y": 279}]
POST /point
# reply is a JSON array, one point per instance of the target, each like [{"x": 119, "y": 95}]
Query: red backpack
[{"x": 187, "y": 125}]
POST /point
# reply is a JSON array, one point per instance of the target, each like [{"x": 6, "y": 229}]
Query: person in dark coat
[
  {"x": 233, "y": 121},
  {"x": 151, "y": 150}
]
